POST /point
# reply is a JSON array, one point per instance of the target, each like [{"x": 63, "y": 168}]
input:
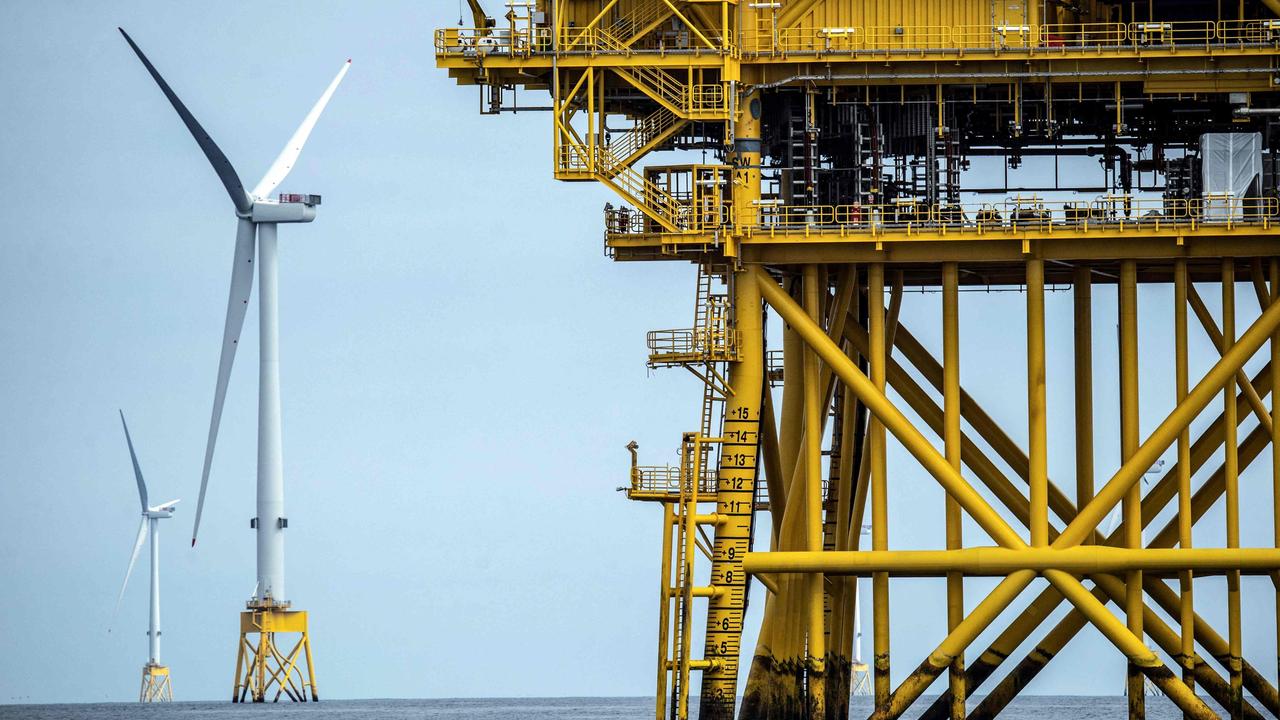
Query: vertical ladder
[
  {"x": 686, "y": 520},
  {"x": 799, "y": 153},
  {"x": 711, "y": 330}
]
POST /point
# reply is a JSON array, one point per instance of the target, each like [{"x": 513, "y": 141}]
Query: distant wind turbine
[{"x": 155, "y": 676}]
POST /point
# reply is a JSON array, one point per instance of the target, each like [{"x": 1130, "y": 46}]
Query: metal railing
[
  {"x": 664, "y": 481},
  {"x": 1249, "y": 32},
  {"x": 1118, "y": 213},
  {"x": 765, "y": 40},
  {"x": 480, "y": 42},
  {"x": 710, "y": 344}
]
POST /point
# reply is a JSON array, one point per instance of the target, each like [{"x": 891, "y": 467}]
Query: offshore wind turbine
[
  {"x": 259, "y": 665},
  {"x": 155, "y": 676}
]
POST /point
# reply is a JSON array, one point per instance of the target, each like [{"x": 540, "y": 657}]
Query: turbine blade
[
  {"x": 1113, "y": 520},
  {"x": 221, "y": 165},
  {"x": 137, "y": 471},
  {"x": 279, "y": 169},
  {"x": 237, "y": 305},
  {"x": 133, "y": 559}
]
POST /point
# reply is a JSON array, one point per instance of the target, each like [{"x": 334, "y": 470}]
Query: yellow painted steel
[
  {"x": 1231, "y": 464},
  {"x": 156, "y": 684},
  {"x": 1038, "y": 478},
  {"x": 893, "y": 420},
  {"x": 629, "y": 77},
  {"x": 877, "y": 357},
  {"x": 1275, "y": 428},
  {"x": 997, "y": 561},
  {"x": 955, "y": 643},
  {"x": 1131, "y": 645},
  {"x": 1132, "y": 508},
  {"x": 1186, "y": 605},
  {"x": 953, "y": 442},
  {"x": 664, "y": 610},
  {"x": 736, "y": 485},
  {"x": 1082, "y": 300},
  {"x": 1166, "y": 433},
  {"x": 263, "y": 664},
  {"x": 1216, "y": 337},
  {"x": 814, "y": 410}
]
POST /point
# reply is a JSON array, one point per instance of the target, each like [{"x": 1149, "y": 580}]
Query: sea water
[{"x": 1024, "y": 708}]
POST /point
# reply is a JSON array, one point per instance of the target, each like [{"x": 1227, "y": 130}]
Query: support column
[
  {"x": 879, "y": 488},
  {"x": 664, "y": 611},
  {"x": 813, "y": 412},
  {"x": 270, "y": 522},
  {"x": 735, "y": 480},
  {"x": 1186, "y": 607},
  {"x": 1231, "y": 465},
  {"x": 1038, "y": 475},
  {"x": 1132, "y": 507},
  {"x": 952, "y": 439},
  {"x": 1275, "y": 438},
  {"x": 746, "y": 168},
  {"x": 771, "y": 683},
  {"x": 153, "y": 635},
  {"x": 1083, "y": 301}
]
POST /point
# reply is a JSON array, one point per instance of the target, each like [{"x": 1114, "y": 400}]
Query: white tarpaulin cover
[{"x": 1230, "y": 165}]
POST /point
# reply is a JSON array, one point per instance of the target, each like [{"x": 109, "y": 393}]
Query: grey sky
[{"x": 461, "y": 368}]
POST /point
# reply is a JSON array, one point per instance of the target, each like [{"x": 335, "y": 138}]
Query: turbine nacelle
[
  {"x": 270, "y": 211},
  {"x": 161, "y": 511}
]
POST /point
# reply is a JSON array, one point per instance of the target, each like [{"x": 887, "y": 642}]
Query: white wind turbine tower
[
  {"x": 257, "y": 217},
  {"x": 155, "y": 676}
]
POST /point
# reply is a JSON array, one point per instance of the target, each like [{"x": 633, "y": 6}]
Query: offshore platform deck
[{"x": 813, "y": 158}]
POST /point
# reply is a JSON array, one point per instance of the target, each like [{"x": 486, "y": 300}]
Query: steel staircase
[
  {"x": 647, "y": 134},
  {"x": 640, "y": 23}
]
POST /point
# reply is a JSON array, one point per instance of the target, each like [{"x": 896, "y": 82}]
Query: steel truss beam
[{"x": 1079, "y": 528}]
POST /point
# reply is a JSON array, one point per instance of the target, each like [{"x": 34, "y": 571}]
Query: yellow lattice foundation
[
  {"x": 155, "y": 684},
  {"x": 860, "y": 683},
  {"x": 267, "y": 663}
]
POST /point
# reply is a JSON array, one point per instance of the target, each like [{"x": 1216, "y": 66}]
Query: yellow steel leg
[
  {"x": 1135, "y": 687},
  {"x": 1083, "y": 302},
  {"x": 236, "y": 687},
  {"x": 1275, "y": 436},
  {"x": 1275, "y": 445},
  {"x": 879, "y": 490},
  {"x": 688, "y": 534},
  {"x": 813, "y": 417},
  {"x": 267, "y": 667},
  {"x": 1038, "y": 476},
  {"x": 1186, "y": 608},
  {"x": 736, "y": 480},
  {"x": 664, "y": 610},
  {"x": 952, "y": 440},
  {"x": 1231, "y": 465},
  {"x": 311, "y": 666}
]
